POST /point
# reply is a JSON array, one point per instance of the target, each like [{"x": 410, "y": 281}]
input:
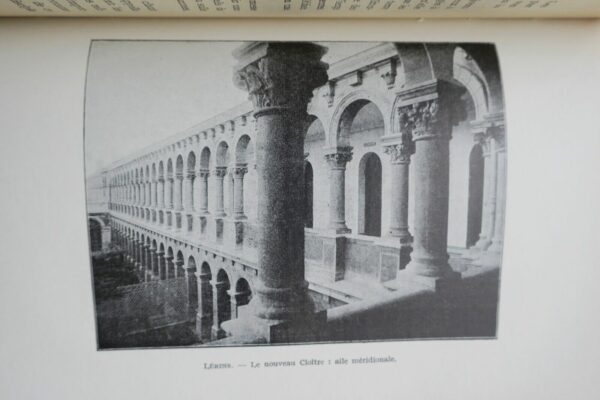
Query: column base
[
  {"x": 203, "y": 327},
  {"x": 448, "y": 278},
  {"x": 339, "y": 230},
  {"x": 248, "y": 329},
  {"x": 239, "y": 217},
  {"x": 281, "y": 303},
  {"x": 403, "y": 236},
  {"x": 217, "y": 333},
  {"x": 490, "y": 258},
  {"x": 476, "y": 250}
]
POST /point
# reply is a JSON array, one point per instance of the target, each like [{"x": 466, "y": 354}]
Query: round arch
[
  {"x": 244, "y": 150},
  {"x": 205, "y": 158},
  {"x": 222, "y": 154},
  {"x": 347, "y": 109},
  {"x": 191, "y": 162}
]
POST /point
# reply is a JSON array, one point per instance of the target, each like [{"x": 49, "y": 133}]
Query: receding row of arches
[
  {"x": 181, "y": 164},
  {"x": 214, "y": 293}
]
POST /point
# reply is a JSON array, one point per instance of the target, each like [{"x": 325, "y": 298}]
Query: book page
[
  {"x": 305, "y": 8},
  {"x": 545, "y": 344}
]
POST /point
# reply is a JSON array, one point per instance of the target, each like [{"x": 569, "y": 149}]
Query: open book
[{"x": 293, "y": 207}]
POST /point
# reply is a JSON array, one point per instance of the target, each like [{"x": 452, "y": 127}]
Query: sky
[{"x": 141, "y": 92}]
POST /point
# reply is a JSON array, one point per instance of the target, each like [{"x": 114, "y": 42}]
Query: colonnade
[
  {"x": 176, "y": 201},
  {"x": 210, "y": 298},
  {"x": 427, "y": 113}
]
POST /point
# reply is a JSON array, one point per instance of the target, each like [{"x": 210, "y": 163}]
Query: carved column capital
[
  {"x": 430, "y": 111},
  {"x": 280, "y": 75},
  {"x": 203, "y": 173},
  {"x": 220, "y": 172},
  {"x": 339, "y": 158},
  {"x": 400, "y": 152},
  {"x": 240, "y": 170}
]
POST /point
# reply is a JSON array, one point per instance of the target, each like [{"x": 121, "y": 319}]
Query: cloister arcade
[{"x": 373, "y": 179}]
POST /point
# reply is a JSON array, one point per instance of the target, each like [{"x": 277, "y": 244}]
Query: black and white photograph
[{"x": 250, "y": 193}]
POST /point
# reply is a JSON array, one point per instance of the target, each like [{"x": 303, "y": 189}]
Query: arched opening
[
  {"x": 475, "y": 207},
  {"x": 191, "y": 171},
  {"x": 370, "y": 195},
  {"x": 169, "y": 185},
  {"x": 154, "y": 255},
  {"x": 179, "y": 265},
  {"x": 244, "y": 151},
  {"x": 243, "y": 295},
  {"x": 192, "y": 286},
  {"x": 205, "y": 158},
  {"x": 361, "y": 117},
  {"x": 170, "y": 265},
  {"x": 142, "y": 251},
  {"x": 179, "y": 185},
  {"x": 162, "y": 267},
  {"x": 223, "y": 298},
  {"x": 222, "y": 154},
  {"x": 308, "y": 195},
  {"x": 95, "y": 235}
]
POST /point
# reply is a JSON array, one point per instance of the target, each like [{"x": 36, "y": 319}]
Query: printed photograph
[{"x": 273, "y": 193}]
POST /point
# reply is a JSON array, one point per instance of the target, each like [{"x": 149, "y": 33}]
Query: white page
[{"x": 548, "y": 324}]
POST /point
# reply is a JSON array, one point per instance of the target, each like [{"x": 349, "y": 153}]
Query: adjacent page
[
  {"x": 305, "y": 8},
  {"x": 66, "y": 84}
]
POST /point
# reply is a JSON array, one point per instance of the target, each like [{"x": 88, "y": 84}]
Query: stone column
[
  {"x": 197, "y": 192},
  {"x": 337, "y": 188},
  {"x": 150, "y": 262},
  {"x": 148, "y": 193},
  {"x": 203, "y": 175},
  {"x": 188, "y": 191},
  {"x": 238, "y": 190},
  {"x": 144, "y": 260},
  {"x": 137, "y": 253},
  {"x": 169, "y": 193},
  {"x": 130, "y": 249},
  {"x": 191, "y": 287},
  {"x": 434, "y": 109},
  {"x": 204, "y": 310},
  {"x": 162, "y": 268},
  {"x": 233, "y": 303},
  {"x": 178, "y": 191},
  {"x": 230, "y": 189},
  {"x": 155, "y": 264},
  {"x": 280, "y": 79},
  {"x": 161, "y": 192},
  {"x": 400, "y": 159},
  {"x": 220, "y": 173},
  {"x": 493, "y": 255},
  {"x": 170, "y": 268},
  {"x": 154, "y": 193},
  {"x": 217, "y": 288}
]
